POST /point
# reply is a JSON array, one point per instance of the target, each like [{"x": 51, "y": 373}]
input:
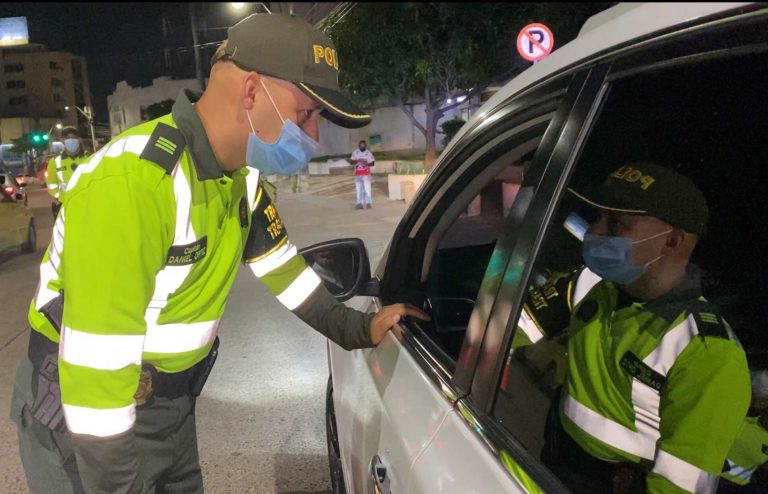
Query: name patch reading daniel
[{"x": 182, "y": 255}]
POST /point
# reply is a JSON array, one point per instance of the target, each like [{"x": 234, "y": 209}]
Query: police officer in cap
[
  {"x": 152, "y": 232},
  {"x": 657, "y": 384},
  {"x": 61, "y": 169}
]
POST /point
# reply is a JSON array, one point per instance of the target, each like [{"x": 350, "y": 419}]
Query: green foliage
[
  {"x": 402, "y": 50},
  {"x": 450, "y": 128},
  {"x": 156, "y": 110},
  {"x": 21, "y": 144},
  {"x": 429, "y": 52},
  {"x": 31, "y": 140}
]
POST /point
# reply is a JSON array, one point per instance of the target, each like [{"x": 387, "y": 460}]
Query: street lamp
[
  {"x": 238, "y": 6},
  {"x": 57, "y": 126},
  {"x": 88, "y": 114}
]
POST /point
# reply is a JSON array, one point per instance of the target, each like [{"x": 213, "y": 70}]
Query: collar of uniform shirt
[
  {"x": 672, "y": 304},
  {"x": 206, "y": 164}
]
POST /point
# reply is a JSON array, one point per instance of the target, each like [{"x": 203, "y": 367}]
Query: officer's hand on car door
[{"x": 388, "y": 317}]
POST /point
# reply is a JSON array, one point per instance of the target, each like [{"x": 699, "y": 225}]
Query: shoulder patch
[
  {"x": 267, "y": 233},
  {"x": 164, "y": 147},
  {"x": 709, "y": 320},
  {"x": 548, "y": 305}
]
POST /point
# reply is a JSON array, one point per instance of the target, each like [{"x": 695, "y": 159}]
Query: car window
[
  {"x": 702, "y": 121},
  {"x": 472, "y": 208},
  {"x": 459, "y": 263}
]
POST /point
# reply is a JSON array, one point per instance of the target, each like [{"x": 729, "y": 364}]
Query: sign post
[{"x": 534, "y": 42}]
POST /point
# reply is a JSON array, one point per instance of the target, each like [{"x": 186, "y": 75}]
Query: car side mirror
[{"x": 343, "y": 266}]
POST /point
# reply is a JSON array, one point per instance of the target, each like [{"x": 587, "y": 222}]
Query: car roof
[{"x": 601, "y": 32}]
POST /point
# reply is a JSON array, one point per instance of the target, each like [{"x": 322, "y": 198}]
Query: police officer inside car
[
  {"x": 145, "y": 251},
  {"x": 657, "y": 384}
]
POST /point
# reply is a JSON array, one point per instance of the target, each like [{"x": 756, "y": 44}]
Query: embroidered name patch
[
  {"x": 182, "y": 255},
  {"x": 640, "y": 371}
]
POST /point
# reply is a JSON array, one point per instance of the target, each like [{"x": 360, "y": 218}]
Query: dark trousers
[{"x": 166, "y": 439}]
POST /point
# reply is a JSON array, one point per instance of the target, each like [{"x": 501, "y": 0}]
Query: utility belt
[
  {"x": 174, "y": 385},
  {"x": 43, "y": 353}
]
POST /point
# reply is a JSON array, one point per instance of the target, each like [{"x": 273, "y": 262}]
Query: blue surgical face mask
[
  {"x": 611, "y": 257},
  {"x": 72, "y": 145},
  {"x": 289, "y": 154}
]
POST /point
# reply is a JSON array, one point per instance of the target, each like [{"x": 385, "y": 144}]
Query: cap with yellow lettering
[
  {"x": 652, "y": 190},
  {"x": 291, "y": 49}
]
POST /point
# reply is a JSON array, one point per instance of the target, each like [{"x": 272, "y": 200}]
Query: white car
[{"x": 445, "y": 406}]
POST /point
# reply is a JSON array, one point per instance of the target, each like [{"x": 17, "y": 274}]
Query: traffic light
[{"x": 39, "y": 139}]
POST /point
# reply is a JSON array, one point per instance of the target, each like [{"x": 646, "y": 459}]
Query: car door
[
  {"x": 461, "y": 457},
  {"x": 448, "y": 255},
  {"x": 648, "y": 88}
]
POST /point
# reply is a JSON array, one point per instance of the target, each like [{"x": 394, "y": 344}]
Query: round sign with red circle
[{"x": 535, "y": 42}]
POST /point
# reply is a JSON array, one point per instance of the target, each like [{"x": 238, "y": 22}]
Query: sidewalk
[{"x": 325, "y": 209}]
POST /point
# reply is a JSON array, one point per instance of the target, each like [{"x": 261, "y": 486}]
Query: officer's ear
[
  {"x": 250, "y": 89},
  {"x": 675, "y": 241}
]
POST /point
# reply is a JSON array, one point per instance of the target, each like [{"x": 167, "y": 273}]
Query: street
[{"x": 261, "y": 417}]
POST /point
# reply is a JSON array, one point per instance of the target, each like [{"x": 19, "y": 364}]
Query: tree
[
  {"x": 450, "y": 128},
  {"x": 156, "y": 110},
  {"x": 432, "y": 53}
]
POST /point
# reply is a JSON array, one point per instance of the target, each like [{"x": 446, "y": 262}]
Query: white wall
[
  {"x": 395, "y": 128},
  {"x": 126, "y": 102}
]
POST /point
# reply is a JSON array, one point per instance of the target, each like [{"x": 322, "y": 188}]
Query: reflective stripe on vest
[
  {"x": 608, "y": 431},
  {"x": 683, "y": 474},
  {"x": 99, "y": 422},
  {"x": 529, "y": 326},
  {"x": 737, "y": 474},
  {"x": 49, "y": 270},
  {"x": 301, "y": 288},
  {"x": 274, "y": 260},
  {"x": 645, "y": 400},
  {"x": 100, "y": 351},
  {"x": 179, "y": 337}
]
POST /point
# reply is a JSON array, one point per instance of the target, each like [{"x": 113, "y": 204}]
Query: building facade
[
  {"x": 36, "y": 85},
  {"x": 128, "y": 105},
  {"x": 391, "y": 130}
]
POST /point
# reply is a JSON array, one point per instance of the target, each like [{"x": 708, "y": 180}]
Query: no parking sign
[{"x": 535, "y": 42}]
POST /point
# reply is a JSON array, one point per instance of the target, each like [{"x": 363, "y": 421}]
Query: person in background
[
  {"x": 61, "y": 169},
  {"x": 362, "y": 159}
]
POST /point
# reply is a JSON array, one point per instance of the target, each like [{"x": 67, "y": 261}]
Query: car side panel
[
  {"x": 386, "y": 406},
  {"x": 457, "y": 462}
]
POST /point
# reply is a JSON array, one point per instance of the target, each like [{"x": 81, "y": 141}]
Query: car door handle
[{"x": 379, "y": 477}]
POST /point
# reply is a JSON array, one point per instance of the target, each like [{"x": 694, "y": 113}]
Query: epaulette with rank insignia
[
  {"x": 709, "y": 320},
  {"x": 164, "y": 147}
]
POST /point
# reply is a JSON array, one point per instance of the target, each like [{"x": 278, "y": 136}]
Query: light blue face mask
[
  {"x": 610, "y": 257},
  {"x": 72, "y": 145},
  {"x": 289, "y": 154}
]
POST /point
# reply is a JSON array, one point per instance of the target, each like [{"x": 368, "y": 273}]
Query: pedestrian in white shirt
[{"x": 362, "y": 160}]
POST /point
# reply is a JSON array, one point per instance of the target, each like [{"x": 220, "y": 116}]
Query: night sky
[{"x": 125, "y": 41}]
